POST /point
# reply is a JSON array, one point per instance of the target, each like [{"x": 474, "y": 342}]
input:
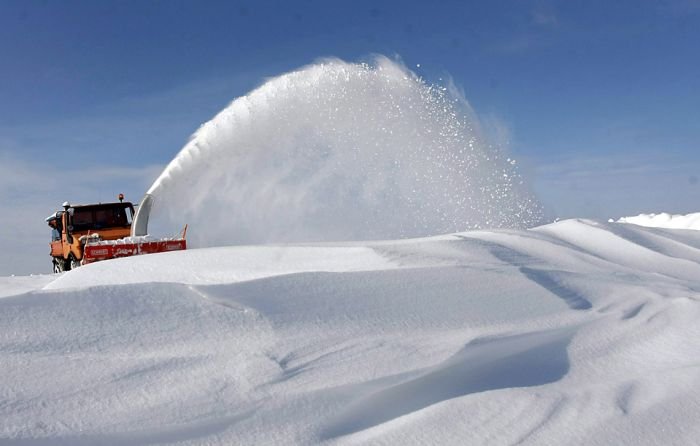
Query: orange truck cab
[{"x": 72, "y": 227}]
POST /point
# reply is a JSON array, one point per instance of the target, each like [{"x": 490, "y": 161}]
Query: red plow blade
[{"x": 97, "y": 252}]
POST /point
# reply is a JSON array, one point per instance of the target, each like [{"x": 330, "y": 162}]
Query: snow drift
[
  {"x": 577, "y": 332},
  {"x": 665, "y": 220},
  {"x": 340, "y": 151}
]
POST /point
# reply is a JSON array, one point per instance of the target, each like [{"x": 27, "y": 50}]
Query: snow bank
[
  {"x": 576, "y": 333},
  {"x": 96, "y": 241},
  {"x": 664, "y": 220},
  {"x": 340, "y": 151},
  {"x": 222, "y": 265}
]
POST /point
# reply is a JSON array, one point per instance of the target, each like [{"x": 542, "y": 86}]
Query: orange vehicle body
[
  {"x": 94, "y": 232},
  {"x": 72, "y": 227}
]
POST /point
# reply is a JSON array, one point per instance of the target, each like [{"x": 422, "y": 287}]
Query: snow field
[{"x": 577, "y": 332}]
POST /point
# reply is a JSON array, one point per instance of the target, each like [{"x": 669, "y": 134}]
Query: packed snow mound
[
  {"x": 95, "y": 240},
  {"x": 340, "y": 151},
  {"x": 577, "y": 332},
  {"x": 664, "y": 220}
]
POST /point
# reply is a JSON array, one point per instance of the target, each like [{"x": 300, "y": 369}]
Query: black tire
[
  {"x": 74, "y": 263},
  {"x": 59, "y": 265}
]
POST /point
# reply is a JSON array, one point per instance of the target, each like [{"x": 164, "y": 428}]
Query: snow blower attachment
[{"x": 83, "y": 234}]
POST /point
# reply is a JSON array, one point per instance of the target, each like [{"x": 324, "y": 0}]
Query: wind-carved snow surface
[
  {"x": 665, "y": 220},
  {"x": 341, "y": 151},
  {"x": 574, "y": 333}
]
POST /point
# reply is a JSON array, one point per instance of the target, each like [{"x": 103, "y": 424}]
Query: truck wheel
[
  {"x": 58, "y": 266},
  {"x": 72, "y": 263}
]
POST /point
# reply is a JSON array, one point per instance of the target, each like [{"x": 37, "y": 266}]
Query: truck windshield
[{"x": 99, "y": 218}]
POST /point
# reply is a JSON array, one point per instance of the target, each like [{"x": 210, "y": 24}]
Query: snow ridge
[{"x": 665, "y": 220}]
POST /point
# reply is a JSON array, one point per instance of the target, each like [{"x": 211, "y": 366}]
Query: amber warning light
[{"x": 121, "y": 197}]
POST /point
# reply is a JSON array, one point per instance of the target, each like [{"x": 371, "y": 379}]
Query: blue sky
[{"x": 598, "y": 99}]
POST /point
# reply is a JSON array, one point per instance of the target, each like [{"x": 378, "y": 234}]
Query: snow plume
[{"x": 341, "y": 151}]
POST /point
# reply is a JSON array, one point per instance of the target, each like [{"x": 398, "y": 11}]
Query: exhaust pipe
[{"x": 139, "y": 226}]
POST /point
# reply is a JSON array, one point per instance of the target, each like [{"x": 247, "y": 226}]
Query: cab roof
[{"x": 97, "y": 205}]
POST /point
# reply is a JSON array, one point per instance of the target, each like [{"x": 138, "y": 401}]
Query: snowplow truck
[{"x": 82, "y": 234}]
